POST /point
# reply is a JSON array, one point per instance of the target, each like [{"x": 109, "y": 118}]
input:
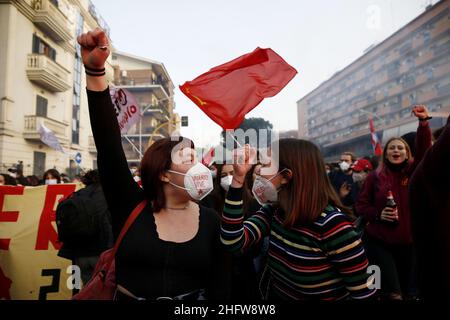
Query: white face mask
[
  {"x": 51, "y": 181},
  {"x": 13, "y": 175},
  {"x": 197, "y": 181},
  {"x": 344, "y": 166},
  {"x": 213, "y": 174},
  {"x": 225, "y": 182},
  {"x": 264, "y": 191}
]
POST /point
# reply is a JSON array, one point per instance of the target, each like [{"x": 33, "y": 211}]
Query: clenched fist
[
  {"x": 420, "y": 111},
  {"x": 94, "y": 48}
]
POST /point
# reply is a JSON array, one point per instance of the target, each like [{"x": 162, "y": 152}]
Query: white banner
[
  {"x": 127, "y": 108},
  {"x": 49, "y": 138}
]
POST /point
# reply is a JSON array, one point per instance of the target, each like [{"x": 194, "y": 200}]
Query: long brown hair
[
  {"x": 309, "y": 191},
  {"x": 408, "y": 150},
  {"x": 383, "y": 171},
  {"x": 158, "y": 159}
]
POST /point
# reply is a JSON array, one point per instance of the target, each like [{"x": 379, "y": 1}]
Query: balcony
[
  {"x": 51, "y": 20},
  {"x": 33, "y": 123},
  {"x": 92, "y": 148},
  {"x": 144, "y": 84},
  {"x": 47, "y": 73},
  {"x": 159, "y": 111}
]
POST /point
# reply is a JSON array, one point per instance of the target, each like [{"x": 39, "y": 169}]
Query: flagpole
[
  {"x": 140, "y": 139},
  {"x": 233, "y": 137}
]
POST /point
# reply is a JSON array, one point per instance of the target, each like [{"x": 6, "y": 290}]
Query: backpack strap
[{"x": 131, "y": 218}]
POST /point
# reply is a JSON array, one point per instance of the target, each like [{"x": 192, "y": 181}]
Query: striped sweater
[{"x": 324, "y": 261}]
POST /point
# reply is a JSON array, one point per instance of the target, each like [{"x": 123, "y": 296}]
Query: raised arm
[
  {"x": 236, "y": 234},
  {"x": 423, "y": 137},
  {"x": 121, "y": 191},
  {"x": 435, "y": 162}
]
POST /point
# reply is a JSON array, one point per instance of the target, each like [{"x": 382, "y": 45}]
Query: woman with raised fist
[
  {"x": 172, "y": 250},
  {"x": 314, "y": 251},
  {"x": 389, "y": 234}
]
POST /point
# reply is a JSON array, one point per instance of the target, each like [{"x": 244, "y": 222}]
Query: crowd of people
[
  {"x": 290, "y": 227},
  {"x": 15, "y": 177}
]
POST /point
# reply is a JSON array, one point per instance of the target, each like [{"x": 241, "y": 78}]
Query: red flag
[
  {"x": 228, "y": 92},
  {"x": 208, "y": 157},
  {"x": 376, "y": 145}
]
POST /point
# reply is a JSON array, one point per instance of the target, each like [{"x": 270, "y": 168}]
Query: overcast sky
[{"x": 316, "y": 37}]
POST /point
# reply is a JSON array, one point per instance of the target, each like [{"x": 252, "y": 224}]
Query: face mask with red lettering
[{"x": 197, "y": 181}]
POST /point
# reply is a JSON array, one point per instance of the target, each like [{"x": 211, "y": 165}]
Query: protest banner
[
  {"x": 29, "y": 266},
  {"x": 127, "y": 108}
]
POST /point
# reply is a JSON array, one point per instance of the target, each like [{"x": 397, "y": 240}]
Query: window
[
  {"x": 426, "y": 37},
  {"x": 77, "y": 86},
  {"x": 38, "y": 163},
  {"x": 412, "y": 98},
  {"x": 41, "y": 106},
  {"x": 41, "y": 47}
]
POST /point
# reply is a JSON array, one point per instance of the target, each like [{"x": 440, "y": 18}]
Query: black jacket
[{"x": 104, "y": 239}]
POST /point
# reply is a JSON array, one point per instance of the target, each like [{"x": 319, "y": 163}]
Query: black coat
[
  {"x": 104, "y": 239},
  {"x": 429, "y": 196}
]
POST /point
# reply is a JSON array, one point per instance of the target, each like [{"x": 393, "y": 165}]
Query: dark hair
[
  {"x": 217, "y": 196},
  {"x": 9, "y": 181},
  {"x": 158, "y": 159},
  {"x": 375, "y": 161},
  {"x": 351, "y": 154},
  {"x": 90, "y": 177},
  {"x": 310, "y": 191},
  {"x": 54, "y": 173},
  {"x": 410, "y": 139},
  {"x": 437, "y": 133},
  {"x": 33, "y": 181}
]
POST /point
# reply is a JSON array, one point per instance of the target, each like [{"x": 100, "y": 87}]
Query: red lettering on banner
[
  {"x": 8, "y": 216},
  {"x": 46, "y": 232},
  {"x": 133, "y": 109}
]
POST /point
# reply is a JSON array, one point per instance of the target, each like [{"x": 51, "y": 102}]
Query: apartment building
[
  {"x": 42, "y": 82},
  {"x": 410, "y": 67},
  {"x": 149, "y": 82}
]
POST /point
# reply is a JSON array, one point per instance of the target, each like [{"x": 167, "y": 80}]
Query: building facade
[
  {"x": 150, "y": 84},
  {"x": 42, "y": 82},
  {"x": 410, "y": 67}
]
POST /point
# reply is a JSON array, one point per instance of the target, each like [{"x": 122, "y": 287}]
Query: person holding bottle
[{"x": 388, "y": 232}]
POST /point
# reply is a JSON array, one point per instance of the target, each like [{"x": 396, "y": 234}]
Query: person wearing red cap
[{"x": 361, "y": 168}]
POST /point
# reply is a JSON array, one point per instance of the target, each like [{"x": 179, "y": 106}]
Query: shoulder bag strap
[{"x": 131, "y": 218}]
